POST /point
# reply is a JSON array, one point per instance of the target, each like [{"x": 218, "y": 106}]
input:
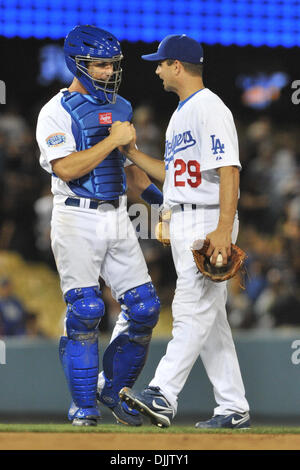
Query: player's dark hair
[{"x": 193, "y": 69}]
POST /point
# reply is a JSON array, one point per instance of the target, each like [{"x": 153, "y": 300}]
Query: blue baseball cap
[{"x": 178, "y": 47}]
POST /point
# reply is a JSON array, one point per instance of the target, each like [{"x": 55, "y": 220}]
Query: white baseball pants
[
  {"x": 200, "y": 326},
  {"x": 88, "y": 243}
]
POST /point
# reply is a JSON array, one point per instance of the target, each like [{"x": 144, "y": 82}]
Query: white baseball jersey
[
  {"x": 200, "y": 137},
  {"x": 56, "y": 140},
  {"x": 84, "y": 241}
]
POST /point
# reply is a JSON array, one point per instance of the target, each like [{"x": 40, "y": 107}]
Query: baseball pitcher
[{"x": 201, "y": 188}]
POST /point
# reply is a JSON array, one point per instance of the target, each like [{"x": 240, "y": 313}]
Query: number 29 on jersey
[{"x": 187, "y": 173}]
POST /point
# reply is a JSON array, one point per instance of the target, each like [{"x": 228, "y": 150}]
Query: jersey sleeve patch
[
  {"x": 55, "y": 140},
  {"x": 217, "y": 147}
]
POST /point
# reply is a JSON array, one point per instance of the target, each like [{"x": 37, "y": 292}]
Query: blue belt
[{"x": 94, "y": 204}]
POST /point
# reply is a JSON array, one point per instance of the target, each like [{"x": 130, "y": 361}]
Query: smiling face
[
  {"x": 105, "y": 75},
  {"x": 100, "y": 70},
  {"x": 167, "y": 75}
]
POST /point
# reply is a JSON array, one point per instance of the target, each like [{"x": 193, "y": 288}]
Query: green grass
[{"x": 114, "y": 428}]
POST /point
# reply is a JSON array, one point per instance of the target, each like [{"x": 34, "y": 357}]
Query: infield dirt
[{"x": 91, "y": 441}]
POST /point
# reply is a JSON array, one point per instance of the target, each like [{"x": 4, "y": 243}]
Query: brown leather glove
[
  {"x": 162, "y": 230},
  {"x": 222, "y": 273}
]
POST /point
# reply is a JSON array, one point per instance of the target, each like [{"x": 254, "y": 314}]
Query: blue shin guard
[
  {"x": 125, "y": 356},
  {"x": 83, "y": 370},
  {"x": 82, "y": 382},
  {"x": 79, "y": 351},
  {"x": 123, "y": 361}
]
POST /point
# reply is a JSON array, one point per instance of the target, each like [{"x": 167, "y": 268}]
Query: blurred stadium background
[{"x": 252, "y": 61}]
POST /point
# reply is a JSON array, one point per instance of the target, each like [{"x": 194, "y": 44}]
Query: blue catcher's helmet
[{"x": 87, "y": 43}]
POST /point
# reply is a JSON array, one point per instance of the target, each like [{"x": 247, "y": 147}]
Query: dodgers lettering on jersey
[
  {"x": 179, "y": 143},
  {"x": 200, "y": 138}
]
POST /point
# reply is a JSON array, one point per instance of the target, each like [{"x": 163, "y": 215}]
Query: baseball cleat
[
  {"x": 151, "y": 403},
  {"x": 126, "y": 415},
  {"x": 83, "y": 416},
  {"x": 232, "y": 421},
  {"x": 84, "y": 422},
  {"x": 123, "y": 413}
]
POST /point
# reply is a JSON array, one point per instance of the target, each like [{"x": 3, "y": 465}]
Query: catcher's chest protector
[{"x": 90, "y": 125}]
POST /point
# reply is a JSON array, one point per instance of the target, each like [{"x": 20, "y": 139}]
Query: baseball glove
[
  {"x": 162, "y": 229},
  {"x": 217, "y": 274}
]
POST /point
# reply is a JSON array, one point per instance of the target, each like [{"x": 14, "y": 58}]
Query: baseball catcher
[{"x": 79, "y": 132}]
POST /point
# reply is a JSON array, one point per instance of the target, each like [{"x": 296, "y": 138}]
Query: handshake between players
[{"x": 124, "y": 135}]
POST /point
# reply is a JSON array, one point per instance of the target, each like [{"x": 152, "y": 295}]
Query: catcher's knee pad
[
  {"x": 84, "y": 312},
  {"x": 142, "y": 307}
]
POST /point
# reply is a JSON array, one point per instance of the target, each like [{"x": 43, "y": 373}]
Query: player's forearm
[
  {"x": 137, "y": 179},
  {"x": 140, "y": 186},
  {"x": 154, "y": 168},
  {"x": 79, "y": 164},
  {"x": 229, "y": 190}
]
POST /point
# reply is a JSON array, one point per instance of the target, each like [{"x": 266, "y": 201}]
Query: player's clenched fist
[
  {"x": 122, "y": 133},
  {"x": 131, "y": 146}
]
